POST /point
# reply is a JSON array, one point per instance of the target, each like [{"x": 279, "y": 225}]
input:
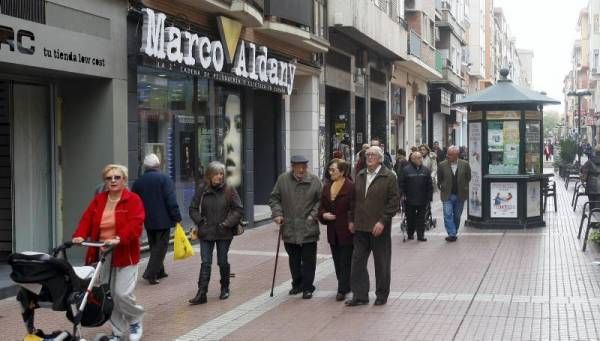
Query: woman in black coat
[
  {"x": 334, "y": 212},
  {"x": 416, "y": 187},
  {"x": 216, "y": 209}
]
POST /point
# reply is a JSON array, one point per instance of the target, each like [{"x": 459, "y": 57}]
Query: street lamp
[{"x": 579, "y": 93}]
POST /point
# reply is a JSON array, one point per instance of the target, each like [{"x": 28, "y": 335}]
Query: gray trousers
[
  {"x": 126, "y": 310},
  {"x": 159, "y": 245},
  {"x": 364, "y": 244}
]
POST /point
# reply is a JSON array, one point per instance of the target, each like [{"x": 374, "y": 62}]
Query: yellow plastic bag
[{"x": 181, "y": 245}]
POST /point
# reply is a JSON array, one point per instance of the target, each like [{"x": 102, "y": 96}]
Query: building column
[{"x": 303, "y": 120}]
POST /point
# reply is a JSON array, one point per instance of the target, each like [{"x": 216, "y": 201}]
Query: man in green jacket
[
  {"x": 453, "y": 176},
  {"x": 376, "y": 201},
  {"x": 295, "y": 208}
]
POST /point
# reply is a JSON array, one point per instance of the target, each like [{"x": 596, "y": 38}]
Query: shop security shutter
[{"x": 32, "y": 10}]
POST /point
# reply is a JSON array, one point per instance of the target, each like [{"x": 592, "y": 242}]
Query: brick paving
[{"x": 533, "y": 284}]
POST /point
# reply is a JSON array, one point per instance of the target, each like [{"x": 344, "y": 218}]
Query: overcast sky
[{"x": 548, "y": 27}]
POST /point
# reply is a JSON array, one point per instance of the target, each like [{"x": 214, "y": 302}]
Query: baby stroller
[
  {"x": 51, "y": 282},
  {"x": 430, "y": 221}
]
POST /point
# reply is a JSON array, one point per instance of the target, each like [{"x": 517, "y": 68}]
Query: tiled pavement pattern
[{"x": 531, "y": 284}]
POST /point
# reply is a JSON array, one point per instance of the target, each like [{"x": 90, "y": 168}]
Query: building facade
[
  {"x": 63, "y": 86},
  {"x": 221, "y": 81}
]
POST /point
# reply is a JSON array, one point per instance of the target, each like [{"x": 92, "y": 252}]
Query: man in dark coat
[
  {"x": 162, "y": 212},
  {"x": 295, "y": 208},
  {"x": 416, "y": 186},
  {"x": 375, "y": 204}
]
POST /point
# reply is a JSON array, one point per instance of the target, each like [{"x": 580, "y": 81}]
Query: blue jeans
[
  {"x": 452, "y": 211},
  {"x": 207, "y": 247}
]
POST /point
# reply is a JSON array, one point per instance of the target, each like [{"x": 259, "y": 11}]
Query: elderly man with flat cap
[
  {"x": 295, "y": 208},
  {"x": 162, "y": 212}
]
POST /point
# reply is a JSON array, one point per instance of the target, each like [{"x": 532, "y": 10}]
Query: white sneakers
[{"x": 135, "y": 331}]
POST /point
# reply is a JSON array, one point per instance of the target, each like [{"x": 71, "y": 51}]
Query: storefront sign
[
  {"x": 25, "y": 42},
  {"x": 503, "y": 200},
  {"x": 189, "y": 52},
  {"x": 475, "y": 164}
]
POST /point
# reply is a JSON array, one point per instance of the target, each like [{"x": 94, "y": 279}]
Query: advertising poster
[
  {"x": 533, "y": 199},
  {"x": 503, "y": 200},
  {"x": 511, "y": 147},
  {"x": 495, "y": 137},
  {"x": 475, "y": 163}
]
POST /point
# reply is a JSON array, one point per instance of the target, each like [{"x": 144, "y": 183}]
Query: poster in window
[
  {"x": 495, "y": 137},
  {"x": 232, "y": 141},
  {"x": 533, "y": 199},
  {"x": 503, "y": 200},
  {"x": 475, "y": 164},
  {"x": 186, "y": 148}
]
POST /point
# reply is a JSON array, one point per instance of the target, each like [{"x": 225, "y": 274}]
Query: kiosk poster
[
  {"x": 503, "y": 200},
  {"x": 511, "y": 147},
  {"x": 533, "y": 199},
  {"x": 495, "y": 137},
  {"x": 475, "y": 163}
]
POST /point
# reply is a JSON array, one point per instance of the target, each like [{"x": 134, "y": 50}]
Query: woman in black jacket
[
  {"x": 416, "y": 187},
  {"x": 216, "y": 209}
]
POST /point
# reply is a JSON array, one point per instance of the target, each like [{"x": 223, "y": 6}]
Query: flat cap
[{"x": 298, "y": 159}]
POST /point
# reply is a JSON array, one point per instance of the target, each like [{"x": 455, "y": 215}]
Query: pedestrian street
[{"x": 533, "y": 284}]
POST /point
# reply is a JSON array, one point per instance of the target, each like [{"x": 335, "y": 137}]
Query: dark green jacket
[
  {"x": 216, "y": 211},
  {"x": 380, "y": 203},
  {"x": 298, "y": 204},
  {"x": 444, "y": 176}
]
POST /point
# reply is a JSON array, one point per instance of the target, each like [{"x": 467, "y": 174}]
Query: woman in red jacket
[
  {"x": 116, "y": 217},
  {"x": 334, "y": 211}
]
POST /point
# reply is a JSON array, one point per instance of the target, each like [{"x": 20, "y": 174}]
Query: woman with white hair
[{"x": 215, "y": 209}]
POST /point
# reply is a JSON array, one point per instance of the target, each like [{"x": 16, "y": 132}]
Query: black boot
[
  {"x": 225, "y": 274},
  {"x": 203, "y": 280}
]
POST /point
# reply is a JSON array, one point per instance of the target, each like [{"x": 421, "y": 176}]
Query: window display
[{"x": 503, "y": 147}]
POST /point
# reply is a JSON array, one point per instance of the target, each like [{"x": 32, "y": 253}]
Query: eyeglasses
[
  {"x": 113, "y": 178},
  {"x": 372, "y": 154},
  {"x": 332, "y": 170}
]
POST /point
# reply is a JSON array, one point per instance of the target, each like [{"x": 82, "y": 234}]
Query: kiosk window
[{"x": 503, "y": 147}]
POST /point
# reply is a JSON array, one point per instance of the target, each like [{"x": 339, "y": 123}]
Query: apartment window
[
  {"x": 596, "y": 23},
  {"x": 595, "y": 60}
]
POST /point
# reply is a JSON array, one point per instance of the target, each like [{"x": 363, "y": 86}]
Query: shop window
[{"x": 175, "y": 123}]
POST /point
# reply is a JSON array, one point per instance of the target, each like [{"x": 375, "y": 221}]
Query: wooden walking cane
[{"x": 276, "y": 258}]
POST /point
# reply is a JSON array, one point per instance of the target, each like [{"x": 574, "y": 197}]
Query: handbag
[{"x": 239, "y": 228}]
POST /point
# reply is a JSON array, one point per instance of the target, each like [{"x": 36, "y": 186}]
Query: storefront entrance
[{"x": 25, "y": 183}]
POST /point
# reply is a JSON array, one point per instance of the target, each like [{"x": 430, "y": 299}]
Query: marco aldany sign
[{"x": 190, "y": 52}]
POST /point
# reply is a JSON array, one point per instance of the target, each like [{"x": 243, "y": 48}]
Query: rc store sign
[{"x": 179, "y": 50}]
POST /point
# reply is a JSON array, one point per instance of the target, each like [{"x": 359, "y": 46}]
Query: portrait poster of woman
[{"x": 232, "y": 139}]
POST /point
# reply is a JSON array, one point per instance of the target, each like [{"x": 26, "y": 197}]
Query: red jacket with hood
[{"x": 129, "y": 217}]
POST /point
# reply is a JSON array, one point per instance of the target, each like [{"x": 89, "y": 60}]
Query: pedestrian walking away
[
  {"x": 453, "y": 176},
  {"x": 590, "y": 174},
  {"x": 334, "y": 210},
  {"x": 294, "y": 206},
  {"x": 115, "y": 217},
  {"x": 375, "y": 204},
  {"x": 416, "y": 189},
  {"x": 216, "y": 209},
  {"x": 162, "y": 213}
]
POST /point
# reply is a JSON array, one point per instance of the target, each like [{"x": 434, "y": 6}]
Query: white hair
[
  {"x": 377, "y": 150},
  {"x": 453, "y": 148},
  {"x": 151, "y": 161}
]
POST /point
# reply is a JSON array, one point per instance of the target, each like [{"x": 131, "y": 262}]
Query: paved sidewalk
[{"x": 531, "y": 284}]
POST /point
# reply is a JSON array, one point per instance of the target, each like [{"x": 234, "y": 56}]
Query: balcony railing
[
  {"x": 448, "y": 20},
  {"x": 451, "y": 76},
  {"x": 32, "y": 10},
  {"x": 419, "y": 48}
]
